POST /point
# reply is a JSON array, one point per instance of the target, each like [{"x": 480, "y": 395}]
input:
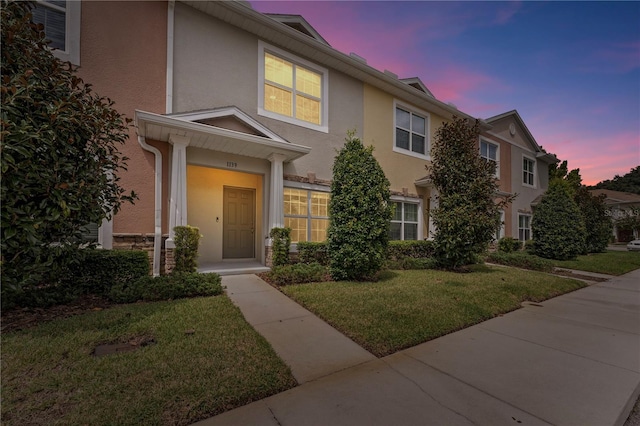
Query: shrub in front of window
[
  {"x": 310, "y": 252},
  {"x": 509, "y": 245},
  {"x": 187, "y": 239},
  {"x": 557, "y": 224},
  {"x": 281, "y": 243},
  {"x": 359, "y": 213},
  {"x": 298, "y": 274},
  {"x": 419, "y": 249},
  {"x": 521, "y": 260},
  {"x": 467, "y": 215}
]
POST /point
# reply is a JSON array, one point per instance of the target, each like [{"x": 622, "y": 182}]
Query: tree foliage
[
  {"x": 359, "y": 212},
  {"x": 468, "y": 211},
  {"x": 557, "y": 225},
  {"x": 627, "y": 183},
  {"x": 60, "y": 158}
]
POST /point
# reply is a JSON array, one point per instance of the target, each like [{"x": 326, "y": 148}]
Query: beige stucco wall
[
  {"x": 216, "y": 65},
  {"x": 123, "y": 55},
  {"x": 205, "y": 187}
]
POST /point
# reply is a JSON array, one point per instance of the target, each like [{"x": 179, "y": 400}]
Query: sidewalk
[{"x": 572, "y": 360}]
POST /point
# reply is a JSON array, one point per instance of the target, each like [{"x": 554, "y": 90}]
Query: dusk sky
[{"x": 571, "y": 69}]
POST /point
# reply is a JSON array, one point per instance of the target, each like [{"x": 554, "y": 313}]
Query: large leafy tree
[
  {"x": 60, "y": 159},
  {"x": 627, "y": 183},
  {"x": 468, "y": 211},
  {"x": 359, "y": 213}
]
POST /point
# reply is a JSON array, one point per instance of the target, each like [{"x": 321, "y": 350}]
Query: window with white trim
[
  {"x": 61, "y": 20},
  {"x": 411, "y": 130},
  {"x": 307, "y": 214},
  {"x": 528, "y": 171},
  {"x": 500, "y": 231},
  {"x": 404, "y": 224},
  {"x": 292, "y": 89},
  {"x": 524, "y": 227},
  {"x": 490, "y": 152}
]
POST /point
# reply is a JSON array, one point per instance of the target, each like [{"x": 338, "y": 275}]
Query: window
[
  {"x": 489, "y": 152},
  {"x": 500, "y": 231},
  {"x": 411, "y": 132},
  {"x": 292, "y": 89},
  {"x": 404, "y": 223},
  {"x": 307, "y": 214},
  {"x": 524, "y": 227},
  {"x": 528, "y": 167},
  {"x": 61, "y": 20}
]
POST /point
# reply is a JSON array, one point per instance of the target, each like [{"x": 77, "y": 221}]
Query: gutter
[
  {"x": 170, "y": 29},
  {"x": 157, "y": 238}
]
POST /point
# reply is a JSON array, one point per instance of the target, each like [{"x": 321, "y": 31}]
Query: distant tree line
[{"x": 627, "y": 183}]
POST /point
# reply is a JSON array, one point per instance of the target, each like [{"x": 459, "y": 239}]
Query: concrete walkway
[{"x": 572, "y": 360}]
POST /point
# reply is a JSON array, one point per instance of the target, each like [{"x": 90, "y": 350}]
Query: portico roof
[{"x": 162, "y": 127}]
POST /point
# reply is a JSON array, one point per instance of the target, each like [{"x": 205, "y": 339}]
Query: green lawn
[
  {"x": 206, "y": 360},
  {"x": 406, "y": 308},
  {"x": 610, "y": 262}
]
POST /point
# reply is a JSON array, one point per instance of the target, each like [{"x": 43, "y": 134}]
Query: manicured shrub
[
  {"x": 359, "y": 213},
  {"x": 166, "y": 287},
  {"x": 557, "y": 224},
  {"x": 310, "y": 252},
  {"x": 187, "y": 239},
  {"x": 598, "y": 223},
  {"x": 412, "y": 263},
  {"x": 521, "y": 260},
  {"x": 412, "y": 249},
  {"x": 509, "y": 245},
  {"x": 298, "y": 274},
  {"x": 281, "y": 244}
]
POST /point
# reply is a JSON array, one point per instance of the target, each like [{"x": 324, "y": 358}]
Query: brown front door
[{"x": 238, "y": 223}]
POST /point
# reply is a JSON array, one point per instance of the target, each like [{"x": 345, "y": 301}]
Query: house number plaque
[{"x": 232, "y": 164}]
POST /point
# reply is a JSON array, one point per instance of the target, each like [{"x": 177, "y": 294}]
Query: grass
[
  {"x": 610, "y": 262},
  {"x": 206, "y": 360},
  {"x": 406, "y": 308}
]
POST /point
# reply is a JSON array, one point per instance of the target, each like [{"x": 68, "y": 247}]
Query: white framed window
[
  {"x": 405, "y": 221},
  {"x": 528, "y": 171},
  {"x": 490, "y": 152},
  {"x": 307, "y": 214},
  {"x": 524, "y": 227},
  {"x": 292, "y": 89},
  {"x": 61, "y": 20},
  {"x": 500, "y": 230},
  {"x": 411, "y": 131}
]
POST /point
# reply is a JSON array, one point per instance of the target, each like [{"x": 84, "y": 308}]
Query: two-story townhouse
[
  {"x": 524, "y": 170},
  {"x": 238, "y": 117}
]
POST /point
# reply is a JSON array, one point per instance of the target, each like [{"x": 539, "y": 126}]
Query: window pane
[
  {"x": 298, "y": 228},
  {"x": 308, "y": 82},
  {"x": 411, "y": 212},
  {"x": 397, "y": 213},
  {"x": 417, "y": 144},
  {"x": 394, "y": 231},
  {"x": 418, "y": 125},
  {"x": 410, "y": 231},
  {"x": 277, "y": 100},
  {"x": 278, "y": 70},
  {"x": 484, "y": 149},
  {"x": 493, "y": 152},
  {"x": 319, "y": 229},
  {"x": 54, "y": 25},
  {"x": 319, "y": 204},
  {"x": 402, "y": 139},
  {"x": 403, "y": 119},
  {"x": 295, "y": 202},
  {"x": 307, "y": 109}
]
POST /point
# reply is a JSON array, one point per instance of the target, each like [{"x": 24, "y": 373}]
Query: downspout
[
  {"x": 170, "y": 29},
  {"x": 157, "y": 240}
]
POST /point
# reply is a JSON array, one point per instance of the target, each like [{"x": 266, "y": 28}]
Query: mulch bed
[{"x": 23, "y": 318}]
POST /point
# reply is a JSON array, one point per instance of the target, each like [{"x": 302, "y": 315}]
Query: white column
[
  {"x": 276, "y": 200},
  {"x": 105, "y": 234},
  {"x": 178, "y": 198},
  {"x": 433, "y": 203}
]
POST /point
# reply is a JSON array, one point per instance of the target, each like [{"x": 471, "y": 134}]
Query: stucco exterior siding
[
  {"x": 123, "y": 55},
  {"x": 216, "y": 65}
]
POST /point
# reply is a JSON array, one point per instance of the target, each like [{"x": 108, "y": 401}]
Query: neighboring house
[
  {"x": 620, "y": 204},
  {"x": 238, "y": 117}
]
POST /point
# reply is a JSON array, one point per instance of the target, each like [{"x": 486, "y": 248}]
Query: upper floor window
[
  {"x": 528, "y": 171},
  {"x": 61, "y": 20},
  {"x": 404, "y": 224},
  {"x": 292, "y": 89},
  {"x": 411, "y": 129},
  {"x": 489, "y": 151},
  {"x": 307, "y": 214}
]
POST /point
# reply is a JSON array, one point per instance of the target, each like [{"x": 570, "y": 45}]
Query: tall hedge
[
  {"x": 557, "y": 224},
  {"x": 359, "y": 212}
]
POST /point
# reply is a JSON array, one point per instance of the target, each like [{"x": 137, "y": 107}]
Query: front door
[{"x": 238, "y": 223}]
